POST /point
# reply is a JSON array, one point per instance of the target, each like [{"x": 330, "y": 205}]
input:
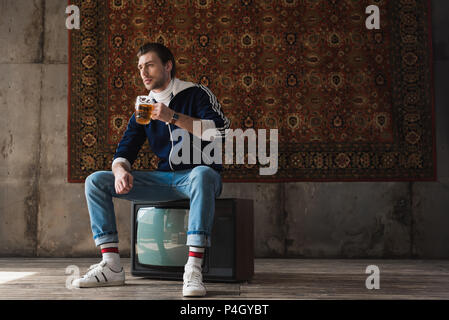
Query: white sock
[
  {"x": 111, "y": 255},
  {"x": 196, "y": 255}
]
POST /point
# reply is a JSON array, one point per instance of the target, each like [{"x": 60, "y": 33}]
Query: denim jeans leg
[
  {"x": 100, "y": 189},
  {"x": 101, "y": 207},
  {"x": 204, "y": 185}
]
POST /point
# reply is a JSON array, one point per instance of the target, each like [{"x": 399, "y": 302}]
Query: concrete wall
[{"x": 43, "y": 215}]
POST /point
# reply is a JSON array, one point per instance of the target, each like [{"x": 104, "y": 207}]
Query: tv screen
[{"x": 161, "y": 236}]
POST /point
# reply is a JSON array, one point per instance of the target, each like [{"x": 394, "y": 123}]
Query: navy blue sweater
[{"x": 196, "y": 101}]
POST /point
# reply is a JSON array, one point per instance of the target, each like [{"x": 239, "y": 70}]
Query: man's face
[{"x": 154, "y": 74}]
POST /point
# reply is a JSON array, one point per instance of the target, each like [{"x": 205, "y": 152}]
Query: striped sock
[
  {"x": 111, "y": 255},
  {"x": 196, "y": 256}
]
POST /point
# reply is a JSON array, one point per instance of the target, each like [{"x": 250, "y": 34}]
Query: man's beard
[{"x": 157, "y": 84}]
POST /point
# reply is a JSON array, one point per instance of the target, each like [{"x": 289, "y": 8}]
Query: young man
[{"x": 177, "y": 105}]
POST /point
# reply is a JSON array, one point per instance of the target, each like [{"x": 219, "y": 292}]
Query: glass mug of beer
[{"x": 144, "y": 107}]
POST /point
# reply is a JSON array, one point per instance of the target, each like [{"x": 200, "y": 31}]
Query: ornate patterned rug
[{"x": 350, "y": 104}]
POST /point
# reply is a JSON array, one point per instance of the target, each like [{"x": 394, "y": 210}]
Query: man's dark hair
[{"x": 163, "y": 53}]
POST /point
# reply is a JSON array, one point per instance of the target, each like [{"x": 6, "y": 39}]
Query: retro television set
[{"x": 159, "y": 234}]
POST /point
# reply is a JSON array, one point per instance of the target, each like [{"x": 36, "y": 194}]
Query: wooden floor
[{"x": 274, "y": 279}]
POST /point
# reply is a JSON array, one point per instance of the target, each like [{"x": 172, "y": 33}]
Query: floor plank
[{"x": 274, "y": 279}]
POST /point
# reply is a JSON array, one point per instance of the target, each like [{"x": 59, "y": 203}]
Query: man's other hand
[{"x": 123, "y": 182}]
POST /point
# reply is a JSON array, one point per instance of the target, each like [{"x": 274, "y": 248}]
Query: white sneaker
[
  {"x": 193, "y": 282},
  {"x": 100, "y": 275}
]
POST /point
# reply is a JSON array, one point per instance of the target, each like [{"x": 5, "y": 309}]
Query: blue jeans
[{"x": 201, "y": 185}]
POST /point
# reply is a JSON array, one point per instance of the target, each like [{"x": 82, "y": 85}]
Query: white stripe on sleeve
[{"x": 217, "y": 108}]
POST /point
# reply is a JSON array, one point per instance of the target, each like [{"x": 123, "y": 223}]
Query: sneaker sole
[
  {"x": 194, "y": 293},
  {"x": 102, "y": 284}
]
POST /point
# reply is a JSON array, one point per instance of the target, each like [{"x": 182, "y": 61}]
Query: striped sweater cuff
[{"x": 122, "y": 160}]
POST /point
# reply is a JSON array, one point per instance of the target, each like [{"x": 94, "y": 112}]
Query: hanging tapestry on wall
[{"x": 349, "y": 103}]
